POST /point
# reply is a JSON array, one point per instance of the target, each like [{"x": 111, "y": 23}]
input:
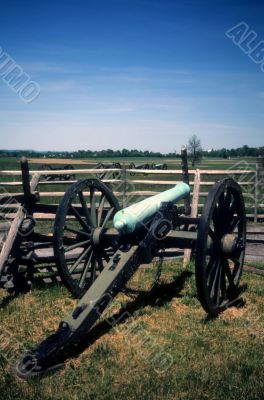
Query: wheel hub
[
  {"x": 229, "y": 244},
  {"x": 97, "y": 235}
]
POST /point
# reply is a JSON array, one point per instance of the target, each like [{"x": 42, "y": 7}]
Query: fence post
[
  {"x": 29, "y": 186},
  {"x": 256, "y": 194},
  {"x": 185, "y": 178},
  {"x": 25, "y": 179},
  {"x": 194, "y": 210},
  {"x": 124, "y": 181}
]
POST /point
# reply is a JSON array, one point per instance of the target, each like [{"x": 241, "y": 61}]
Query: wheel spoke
[
  {"x": 219, "y": 284},
  {"x": 221, "y": 204},
  {"x": 79, "y": 259},
  {"x": 213, "y": 236},
  {"x": 236, "y": 221},
  {"x": 211, "y": 265},
  {"x": 215, "y": 279},
  {"x": 79, "y": 218},
  {"x": 100, "y": 209},
  {"x": 222, "y": 217},
  {"x": 227, "y": 199},
  {"x": 211, "y": 270},
  {"x": 216, "y": 221},
  {"x": 232, "y": 209},
  {"x": 237, "y": 265},
  {"x": 228, "y": 271},
  {"x": 223, "y": 283},
  {"x": 76, "y": 245},
  {"x": 85, "y": 209},
  {"x": 77, "y": 231},
  {"x": 93, "y": 208},
  {"x": 85, "y": 270},
  {"x": 108, "y": 216}
]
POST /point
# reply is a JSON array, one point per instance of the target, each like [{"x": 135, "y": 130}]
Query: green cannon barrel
[{"x": 131, "y": 218}]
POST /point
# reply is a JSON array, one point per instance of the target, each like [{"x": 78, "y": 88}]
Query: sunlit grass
[{"x": 217, "y": 359}]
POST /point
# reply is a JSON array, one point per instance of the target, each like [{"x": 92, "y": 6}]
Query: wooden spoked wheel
[
  {"x": 132, "y": 166},
  {"x": 99, "y": 175},
  {"x": 220, "y": 247},
  {"x": 46, "y": 167},
  {"x": 117, "y": 174},
  {"x": 67, "y": 177},
  {"x": 84, "y": 213}
]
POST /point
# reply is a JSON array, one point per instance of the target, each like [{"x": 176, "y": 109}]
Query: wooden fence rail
[{"x": 125, "y": 187}]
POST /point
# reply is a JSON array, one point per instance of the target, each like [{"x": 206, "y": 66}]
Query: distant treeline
[{"x": 244, "y": 151}]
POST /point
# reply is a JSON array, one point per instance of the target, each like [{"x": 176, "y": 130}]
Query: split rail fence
[{"x": 131, "y": 186}]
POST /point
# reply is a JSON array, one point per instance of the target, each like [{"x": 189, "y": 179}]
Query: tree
[{"x": 195, "y": 149}]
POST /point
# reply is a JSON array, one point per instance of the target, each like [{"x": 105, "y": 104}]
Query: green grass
[
  {"x": 212, "y": 359},
  {"x": 256, "y": 264}
]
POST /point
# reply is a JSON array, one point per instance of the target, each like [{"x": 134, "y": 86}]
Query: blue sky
[{"x": 143, "y": 74}]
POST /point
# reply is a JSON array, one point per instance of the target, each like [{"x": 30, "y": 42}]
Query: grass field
[{"x": 207, "y": 358}]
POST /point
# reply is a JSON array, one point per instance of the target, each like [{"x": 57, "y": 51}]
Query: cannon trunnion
[{"x": 98, "y": 247}]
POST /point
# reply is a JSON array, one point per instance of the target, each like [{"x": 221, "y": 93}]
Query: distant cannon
[
  {"x": 159, "y": 166},
  {"x": 147, "y": 166},
  {"x": 138, "y": 167},
  {"x": 59, "y": 177},
  {"x": 103, "y": 165}
]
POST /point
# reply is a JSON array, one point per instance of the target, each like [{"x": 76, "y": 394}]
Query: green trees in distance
[{"x": 244, "y": 151}]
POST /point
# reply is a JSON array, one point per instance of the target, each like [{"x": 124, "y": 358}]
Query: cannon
[
  {"x": 98, "y": 247},
  {"x": 139, "y": 166},
  {"x": 59, "y": 177},
  {"x": 104, "y": 165},
  {"x": 159, "y": 166}
]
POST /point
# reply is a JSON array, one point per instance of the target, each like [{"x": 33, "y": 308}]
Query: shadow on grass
[
  {"x": 158, "y": 297},
  {"x": 7, "y": 300}
]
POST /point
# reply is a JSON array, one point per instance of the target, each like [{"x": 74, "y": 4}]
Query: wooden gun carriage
[
  {"x": 146, "y": 166},
  {"x": 64, "y": 177},
  {"x": 97, "y": 247},
  {"x": 107, "y": 165},
  {"x": 159, "y": 166}
]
